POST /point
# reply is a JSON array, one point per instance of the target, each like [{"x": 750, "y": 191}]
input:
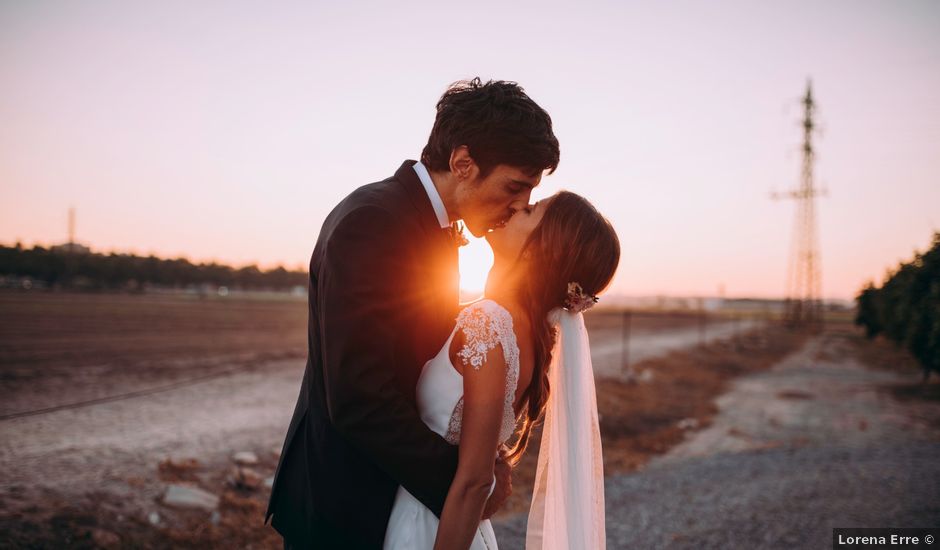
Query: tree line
[
  {"x": 95, "y": 271},
  {"x": 906, "y": 308}
]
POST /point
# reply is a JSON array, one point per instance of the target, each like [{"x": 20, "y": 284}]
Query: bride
[{"x": 517, "y": 357}]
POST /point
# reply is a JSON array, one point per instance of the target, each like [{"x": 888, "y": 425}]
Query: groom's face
[{"x": 488, "y": 202}]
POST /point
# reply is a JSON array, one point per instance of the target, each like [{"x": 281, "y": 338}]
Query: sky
[{"x": 228, "y": 130}]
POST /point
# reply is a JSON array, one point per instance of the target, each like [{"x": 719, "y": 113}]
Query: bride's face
[{"x": 507, "y": 242}]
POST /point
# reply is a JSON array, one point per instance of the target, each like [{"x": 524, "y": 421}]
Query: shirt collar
[{"x": 435, "y": 197}]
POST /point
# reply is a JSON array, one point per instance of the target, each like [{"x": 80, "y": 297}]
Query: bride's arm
[{"x": 483, "y": 401}]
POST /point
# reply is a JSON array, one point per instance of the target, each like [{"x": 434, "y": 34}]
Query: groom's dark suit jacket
[{"x": 383, "y": 299}]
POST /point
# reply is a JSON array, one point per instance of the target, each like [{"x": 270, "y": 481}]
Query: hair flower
[{"x": 577, "y": 301}]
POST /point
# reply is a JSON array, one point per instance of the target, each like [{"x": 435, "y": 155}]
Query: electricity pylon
[{"x": 803, "y": 305}]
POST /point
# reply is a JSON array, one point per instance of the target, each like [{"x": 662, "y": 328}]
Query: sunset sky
[{"x": 227, "y": 130}]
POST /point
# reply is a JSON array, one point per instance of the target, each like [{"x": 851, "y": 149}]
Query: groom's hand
[{"x": 503, "y": 488}]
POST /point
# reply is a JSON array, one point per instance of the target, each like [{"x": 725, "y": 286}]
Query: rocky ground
[
  {"x": 131, "y": 467},
  {"x": 841, "y": 434}
]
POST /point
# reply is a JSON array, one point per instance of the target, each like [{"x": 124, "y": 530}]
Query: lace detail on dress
[
  {"x": 486, "y": 324},
  {"x": 453, "y": 427}
]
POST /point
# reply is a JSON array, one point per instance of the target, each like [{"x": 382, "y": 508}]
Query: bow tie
[{"x": 455, "y": 233}]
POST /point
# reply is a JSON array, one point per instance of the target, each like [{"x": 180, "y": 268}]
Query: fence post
[
  {"x": 625, "y": 345},
  {"x": 701, "y": 321}
]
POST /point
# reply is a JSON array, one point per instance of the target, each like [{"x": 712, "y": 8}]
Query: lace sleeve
[{"x": 484, "y": 327}]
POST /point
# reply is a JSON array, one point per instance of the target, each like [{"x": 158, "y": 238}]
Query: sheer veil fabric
[{"x": 567, "y": 510}]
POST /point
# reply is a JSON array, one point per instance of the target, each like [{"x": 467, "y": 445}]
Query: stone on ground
[
  {"x": 184, "y": 496},
  {"x": 245, "y": 458}
]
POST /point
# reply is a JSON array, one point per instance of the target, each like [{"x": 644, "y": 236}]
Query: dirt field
[
  {"x": 107, "y": 399},
  {"x": 58, "y": 349}
]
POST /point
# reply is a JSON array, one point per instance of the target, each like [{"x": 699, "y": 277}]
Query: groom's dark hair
[{"x": 497, "y": 122}]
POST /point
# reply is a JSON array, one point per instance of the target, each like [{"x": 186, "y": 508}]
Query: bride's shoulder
[
  {"x": 484, "y": 312},
  {"x": 483, "y": 325},
  {"x": 483, "y": 304}
]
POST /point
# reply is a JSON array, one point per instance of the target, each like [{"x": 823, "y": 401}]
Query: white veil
[{"x": 567, "y": 510}]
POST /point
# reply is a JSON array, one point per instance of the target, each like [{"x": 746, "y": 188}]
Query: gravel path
[
  {"x": 813, "y": 443},
  {"x": 781, "y": 498}
]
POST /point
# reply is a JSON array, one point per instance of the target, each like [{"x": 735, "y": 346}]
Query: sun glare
[{"x": 476, "y": 258}]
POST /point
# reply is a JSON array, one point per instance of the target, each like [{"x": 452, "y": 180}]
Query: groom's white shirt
[{"x": 435, "y": 197}]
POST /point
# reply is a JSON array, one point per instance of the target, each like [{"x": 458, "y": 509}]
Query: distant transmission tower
[{"x": 803, "y": 305}]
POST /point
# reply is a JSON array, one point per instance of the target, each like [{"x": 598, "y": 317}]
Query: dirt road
[{"x": 816, "y": 442}]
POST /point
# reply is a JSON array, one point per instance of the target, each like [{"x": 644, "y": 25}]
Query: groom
[{"x": 383, "y": 299}]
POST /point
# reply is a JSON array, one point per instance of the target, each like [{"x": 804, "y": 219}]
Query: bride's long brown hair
[{"x": 572, "y": 243}]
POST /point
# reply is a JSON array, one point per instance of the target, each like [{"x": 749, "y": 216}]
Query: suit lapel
[
  {"x": 422, "y": 203},
  {"x": 443, "y": 246}
]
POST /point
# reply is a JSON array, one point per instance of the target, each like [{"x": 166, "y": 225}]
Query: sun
[{"x": 476, "y": 259}]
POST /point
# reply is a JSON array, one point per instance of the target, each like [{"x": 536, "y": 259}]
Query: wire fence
[{"x": 622, "y": 338}]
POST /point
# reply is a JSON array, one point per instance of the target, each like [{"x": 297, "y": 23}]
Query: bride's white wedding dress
[{"x": 485, "y": 324}]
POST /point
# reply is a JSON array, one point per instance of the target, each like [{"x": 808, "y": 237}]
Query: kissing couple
[{"x": 413, "y": 407}]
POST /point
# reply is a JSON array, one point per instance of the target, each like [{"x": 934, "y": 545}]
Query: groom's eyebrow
[{"x": 524, "y": 183}]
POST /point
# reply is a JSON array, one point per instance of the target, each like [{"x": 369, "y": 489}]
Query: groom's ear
[{"x": 462, "y": 165}]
